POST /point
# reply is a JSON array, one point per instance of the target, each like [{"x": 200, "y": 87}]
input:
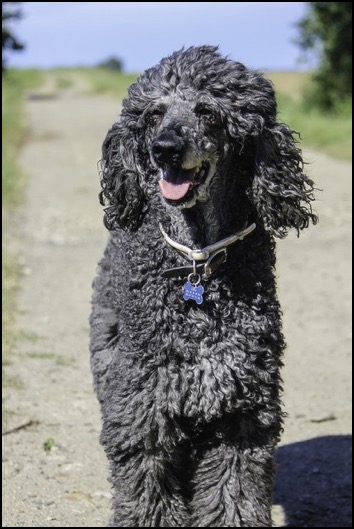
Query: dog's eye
[
  {"x": 154, "y": 117},
  {"x": 207, "y": 114}
]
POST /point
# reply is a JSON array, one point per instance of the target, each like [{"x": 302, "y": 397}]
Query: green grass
[
  {"x": 14, "y": 84},
  {"x": 63, "y": 83},
  {"x": 291, "y": 84},
  {"x": 330, "y": 133},
  {"x": 48, "y": 444},
  {"x": 12, "y": 134},
  {"x": 108, "y": 82},
  {"x": 94, "y": 81}
]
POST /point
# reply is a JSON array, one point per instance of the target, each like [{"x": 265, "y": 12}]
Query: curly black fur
[{"x": 190, "y": 395}]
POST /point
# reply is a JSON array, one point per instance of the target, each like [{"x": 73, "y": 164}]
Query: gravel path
[{"x": 59, "y": 236}]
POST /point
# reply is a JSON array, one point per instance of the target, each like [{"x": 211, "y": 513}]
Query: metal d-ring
[{"x": 195, "y": 282}]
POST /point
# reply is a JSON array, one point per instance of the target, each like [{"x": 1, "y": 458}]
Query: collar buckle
[
  {"x": 198, "y": 255},
  {"x": 214, "y": 262}
]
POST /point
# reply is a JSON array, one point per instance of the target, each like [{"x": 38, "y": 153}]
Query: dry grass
[{"x": 291, "y": 84}]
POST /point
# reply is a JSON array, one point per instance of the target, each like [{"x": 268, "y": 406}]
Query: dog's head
[{"x": 199, "y": 124}]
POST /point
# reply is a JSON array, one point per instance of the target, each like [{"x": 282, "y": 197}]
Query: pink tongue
[{"x": 174, "y": 191}]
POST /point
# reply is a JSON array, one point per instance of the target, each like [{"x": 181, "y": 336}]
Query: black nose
[{"x": 167, "y": 148}]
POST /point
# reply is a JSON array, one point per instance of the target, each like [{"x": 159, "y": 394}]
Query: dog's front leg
[
  {"x": 150, "y": 465},
  {"x": 233, "y": 487},
  {"x": 146, "y": 493}
]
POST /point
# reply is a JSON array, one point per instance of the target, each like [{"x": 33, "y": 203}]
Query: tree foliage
[
  {"x": 9, "y": 41},
  {"x": 113, "y": 63},
  {"x": 326, "y": 30}
]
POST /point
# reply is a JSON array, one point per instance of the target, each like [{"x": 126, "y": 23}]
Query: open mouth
[{"x": 177, "y": 184}]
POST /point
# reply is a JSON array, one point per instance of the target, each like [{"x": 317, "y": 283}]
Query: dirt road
[{"x": 54, "y": 470}]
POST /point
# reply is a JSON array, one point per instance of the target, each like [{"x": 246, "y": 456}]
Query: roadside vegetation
[
  {"x": 105, "y": 81},
  {"x": 328, "y": 131},
  {"x": 14, "y": 85}
]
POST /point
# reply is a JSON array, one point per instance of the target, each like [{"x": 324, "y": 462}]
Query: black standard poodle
[{"x": 197, "y": 178}]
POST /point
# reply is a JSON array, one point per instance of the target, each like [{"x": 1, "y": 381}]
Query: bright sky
[{"x": 259, "y": 34}]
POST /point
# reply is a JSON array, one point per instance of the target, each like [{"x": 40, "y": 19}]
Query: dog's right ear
[{"x": 121, "y": 191}]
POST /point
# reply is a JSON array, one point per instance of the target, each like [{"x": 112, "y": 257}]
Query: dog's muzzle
[{"x": 178, "y": 179}]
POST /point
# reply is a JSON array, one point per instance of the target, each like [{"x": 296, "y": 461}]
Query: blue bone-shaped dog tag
[{"x": 193, "y": 292}]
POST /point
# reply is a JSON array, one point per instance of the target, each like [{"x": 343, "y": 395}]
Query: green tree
[
  {"x": 113, "y": 63},
  {"x": 9, "y": 41},
  {"x": 326, "y": 31}
]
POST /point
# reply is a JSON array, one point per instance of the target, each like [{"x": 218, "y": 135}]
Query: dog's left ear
[{"x": 282, "y": 193}]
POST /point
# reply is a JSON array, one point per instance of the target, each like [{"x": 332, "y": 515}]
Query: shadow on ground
[{"x": 314, "y": 482}]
